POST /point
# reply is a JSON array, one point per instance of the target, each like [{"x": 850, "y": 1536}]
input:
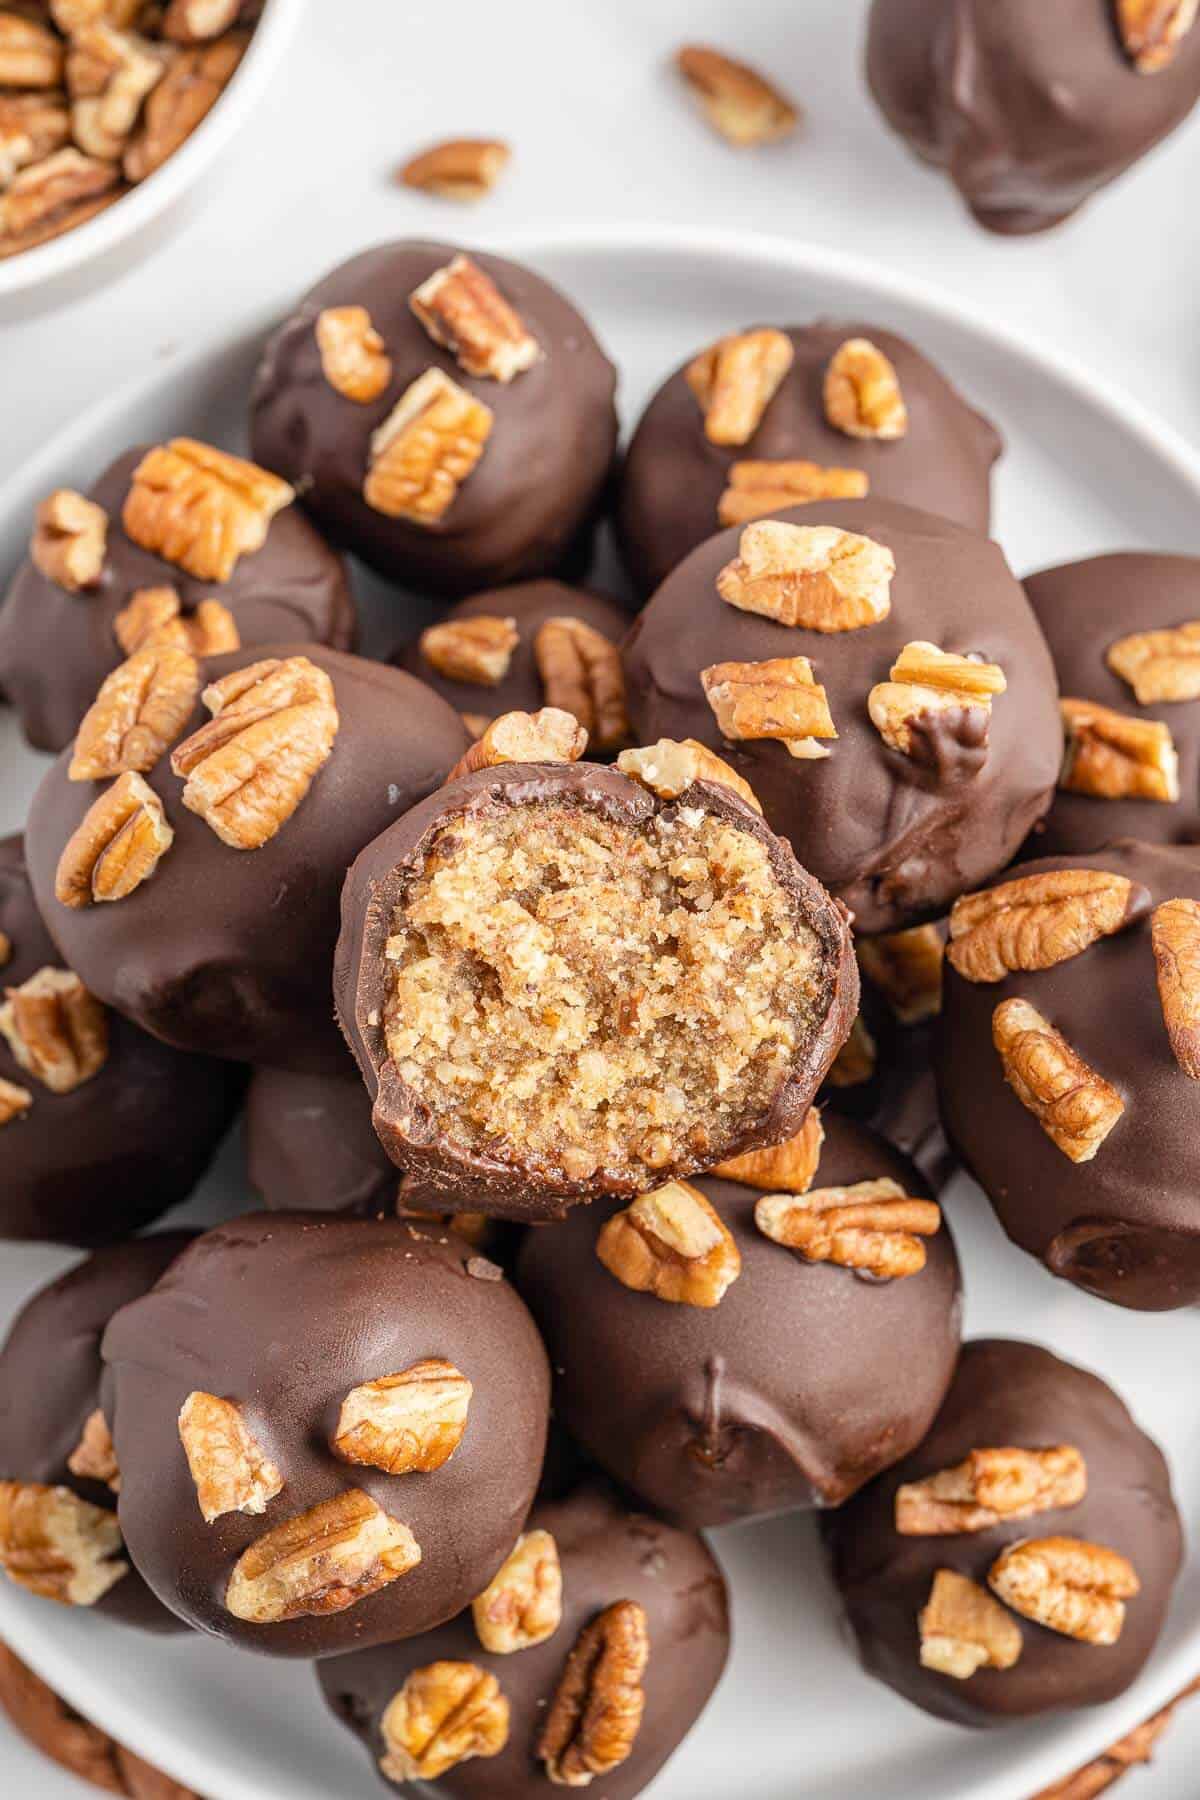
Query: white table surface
[{"x": 602, "y": 132}]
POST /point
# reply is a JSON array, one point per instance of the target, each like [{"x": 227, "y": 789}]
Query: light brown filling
[{"x": 570, "y": 994}]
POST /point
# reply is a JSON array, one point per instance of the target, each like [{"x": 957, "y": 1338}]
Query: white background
[{"x": 602, "y": 132}]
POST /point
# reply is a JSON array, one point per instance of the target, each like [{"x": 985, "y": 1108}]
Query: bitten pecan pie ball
[
  {"x": 588, "y": 1659},
  {"x": 879, "y": 679},
  {"x": 177, "y": 543},
  {"x": 1030, "y": 108},
  {"x": 769, "y": 418},
  {"x": 59, "y": 1477},
  {"x": 189, "y": 851},
  {"x": 1069, "y": 1065},
  {"x": 101, "y": 1127},
  {"x": 562, "y": 980},
  {"x": 446, "y": 415},
  {"x": 1021, "y": 1560},
  {"x": 765, "y": 1337},
  {"x": 330, "y": 1430}
]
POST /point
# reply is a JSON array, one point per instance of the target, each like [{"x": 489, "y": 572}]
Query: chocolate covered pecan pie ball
[
  {"x": 188, "y": 853},
  {"x": 446, "y": 415},
  {"x": 562, "y": 980},
  {"x": 879, "y": 679},
  {"x": 178, "y": 543},
  {"x": 1030, "y": 109},
  {"x": 766, "y": 1337},
  {"x": 59, "y": 1477},
  {"x": 588, "y": 1659},
  {"x": 1069, "y": 1065},
  {"x": 101, "y": 1127},
  {"x": 769, "y": 418},
  {"x": 329, "y": 1430},
  {"x": 1021, "y": 1560}
]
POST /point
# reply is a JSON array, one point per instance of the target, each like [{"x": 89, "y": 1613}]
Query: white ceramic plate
[{"x": 795, "y": 1719}]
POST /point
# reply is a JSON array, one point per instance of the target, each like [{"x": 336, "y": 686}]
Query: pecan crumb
[
  {"x": 1038, "y": 921},
  {"x": 737, "y": 101},
  {"x": 789, "y": 1168},
  {"x": 463, "y": 169},
  {"x": 1068, "y": 1585},
  {"x": 1073, "y": 1104},
  {"x": 671, "y": 1243},
  {"x": 862, "y": 392},
  {"x": 597, "y": 1708},
  {"x": 813, "y": 576},
  {"x": 735, "y": 381},
  {"x": 963, "y": 1629},
  {"x": 988, "y": 1487},
  {"x": 117, "y": 845},
  {"x": 871, "y": 1225},
  {"x": 464, "y": 311}
]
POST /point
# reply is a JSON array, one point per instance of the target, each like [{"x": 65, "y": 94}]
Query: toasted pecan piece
[
  {"x": 230, "y": 1470},
  {"x": 197, "y": 21},
  {"x": 989, "y": 1487},
  {"x": 15, "y": 1102},
  {"x": 117, "y": 845},
  {"x": 669, "y": 767},
  {"x": 813, "y": 576},
  {"x": 32, "y": 127},
  {"x": 550, "y": 735},
  {"x": 671, "y": 1243},
  {"x": 789, "y": 1168},
  {"x": 354, "y": 358},
  {"x": 156, "y": 615},
  {"x": 425, "y": 449},
  {"x": 736, "y": 379},
  {"x": 775, "y": 699},
  {"x": 1071, "y": 1101},
  {"x": 412, "y": 1421},
  {"x": 463, "y": 310},
  {"x": 321, "y": 1561},
  {"x": 757, "y": 489},
  {"x": 94, "y": 1458},
  {"x": 57, "y": 1545},
  {"x": 871, "y": 1225},
  {"x": 139, "y": 712},
  {"x": 31, "y": 56},
  {"x": 582, "y": 674},
  {"x": 56, "y": 1030},
  {"x": 907, "y": 967},
  {"x": 196, "y": 78},
  {"x": 928, "y": 684},
  {"x": 1159, "y": 665},
  {"x": 1152, "y": 31},
  {"x": 1068, "y": 1585},
  {"x": 463, "y": 169},
  {"x": 1038, "y": 921},
  {"x": 45, "y": 199},
  {"x": 1114, "y": 756},
  {"x": 596, "y": 1712},
  {"x": 477, "y": 650},
  {"x": 963, "y": 1629},
  {"x": 737, "y": 101},
  {"x": 445, "y": 1714},
  {"x": 862, "y": 392},
  {"x": 109, "y": 74},
  {"x": 1175, "y": 935},
  {"x": 70, "y": 535},
  {"x": 522, "y": 1604},
  {"x": 201, "y": 508}
]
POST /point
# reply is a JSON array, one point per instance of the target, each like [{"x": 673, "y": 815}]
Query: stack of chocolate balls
[{"x": 612, "y": 992}]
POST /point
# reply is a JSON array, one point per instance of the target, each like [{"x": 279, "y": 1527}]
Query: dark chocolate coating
[
  {"x": 1029, "y": 108},
  {"x": 57, "y": 647},
  {"x": 900, "y": 1100},
  {"x": 894, "y": 838},
  {"x": 1126, "y": 1225},
  {"x": 100, "y": 1162},
  {"x": 608, "y": 1553},
  {"x": 50, "y": 1372},
  {"x": 228, "y": 951},
  {"x": 673, "y": 478},
  {"x": 800, "y": 1385},
  {"x": 442, "y": 1172},
  {"x": 284, "y": 1314},
  {"x": 539, "y": 480},
  {"x": 1008, "y": 1393},
  {"x": 311, "y": 1147},
  {"x": 1083, "y": 608}
]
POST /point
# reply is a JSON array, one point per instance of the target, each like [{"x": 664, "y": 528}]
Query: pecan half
[
  {"x": 425, "y": 449},
  {"x": 862, "y": 392},
  {"x": 31, "y": 56},
  {"x": 1113, "y": 756},
  {"x": 196, "y": 21},
  {"x": 669, "y": 767},
  {"x": 413, "y": 1421},
  {"x": 597, "y": 1708},
  {"x": 463, "y": 169},
  {"x": 858, "y": 1058},
  {"x": 787, "y": 1168},
  {"x": 872, "y": 1225},
  {"x": 1038, "y": 921},
  {"x": 963, "y": 1629},
  {"x": 70, "y": 535},
  {"x": 15, "y": 1102},
  {"x": 774, "y": 699},
  {"x": 928, "y": 684},
  {"x": 1175, "y": 935},
  {"x": 478, "y": 650},
  {"x": 156, "y": 615},
  {"x": 201, "y": 508},
  {"x": 56, "y": 1030},
  {"x": 671, "y": 1243},
  {"x": 581, "y": 673},
  {"x": 109, "y": 74},
  {"x": 1159, "y": 665},
  {"x": 354, "y": 358},
  {"x": 988, "y": 1487},
  {"x": 117, "y": 845},
  {"x": 32, "y": 127},
  {"x": 47, "y": 198},
  {"x": 194, "y": 82},
  {"x": 57, "y": 1545},
  {"x": 735, "y": 381},
  {"x": 93, "y": 1458},
  {"x": 272, "y": 731},
  {"x": 814, "y": 576},
  {"x": 445, "y": 1714},
  {"x": 463, "y": 310},
  {"x": 517, "y": 737},
  {"x": 139, "y": 712},
  {"x": 321, "y": 1561},
  {"x": 757, "y": 489},
  {"x": 1068, "y": 1585},
  {"x": 230, "y": 1471},
  {"x": 907, "y": 968},
  {"x": 1072, "y": 1103},
  {"x": 522, "y": 1604},
  {"x": 737, "y": 101},
  {"x": 1153, "y": 30}
]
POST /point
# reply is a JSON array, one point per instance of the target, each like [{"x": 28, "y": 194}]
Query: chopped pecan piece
[
  {"x": 813, "y": 576},
  {"x": 413, "y": 1421},
  {"x": 463, "y": 310},
  {"x": 47, "y": 198},
  {"x": 117, "y": 845},
  {"x": 445, "y": 1714},
  {"x": 1175, "y": 934},
  {"x": 871, "y": 1225},
  {"x": 230, "y": 1471},
  {"x": 788, "y": 1168},
  {"x": 516, "y": 737},
  {"x": 774, "y": 699},
  {"x": 671, "y": 1243},
  {"x": 1153, "y": 30},
  {"x": 1038, "y": 921},
  {"x": 196, "y": 21},
  {"x": 907, "y": 967},
  {"x": 72, "y": 16},
  {"x": 597, "y": 1708},
  {"x": 1113, "y": 756},
  {"x": 582, "y": 674},
  {"x": 735, "y": 381},
  {"x": 32, "y": 127},
  {"x": 354, "y": 358},
  {"x": 1072, "y": 1103},
  {"x": 321, "y": 1561},
  {"x": 93, "y": 1458},
  {"x": 858, "y": 1058},
  {"x": 928, "y": 684},
  {"x": 15, "y": 1102},
  {"x": 862, "y": 392},
  {"x": 70, "y": 535},
  {"x": 56, "y": 1030},
  {"x": 757, "y": 489},
  {"x": 963, "y": 1629},
  {"x": 57, "y": 1545},
  {"x": 668, "y": 768},
  {"x": 194, "y": 82},
  {"x": 478, "y": 650},
  {"x": 140, "y": 710},
  {"x": 522, "y": 1604},
  {"x": 425, "y": 449},
  {"x": 1068, "y": 1585},
  {"x": 463, "y": 169},
  {"x": 737, "y": 101},
  {"x": 109, "y": 74},
  {"x": 989, "y": 1487},
  {"x": 201, "y": 508},
  {"x": 272, "y": 731},
  {"x": 155, "y": 615},
  {"x": 31, "y": 56},
  {"x": 1159, "y": 665}
]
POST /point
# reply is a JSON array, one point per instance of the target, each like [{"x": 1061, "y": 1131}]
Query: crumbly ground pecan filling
[{"x": 574, "y": 994}]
